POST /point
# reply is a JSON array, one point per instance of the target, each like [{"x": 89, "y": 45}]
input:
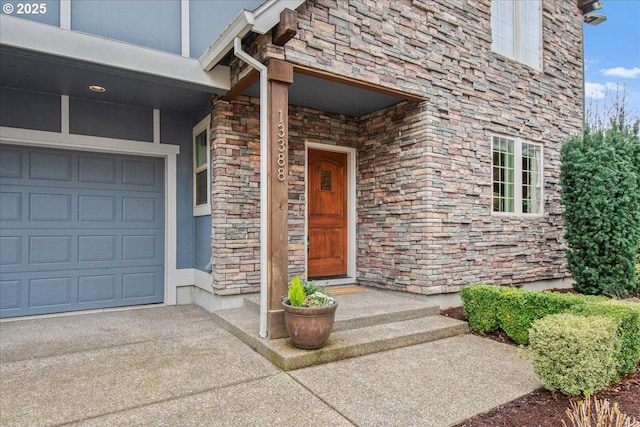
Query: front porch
[{"x": 367, "y": 321}]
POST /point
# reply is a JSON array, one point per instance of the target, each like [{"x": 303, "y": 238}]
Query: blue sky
[{"x": 612, "y": 53}]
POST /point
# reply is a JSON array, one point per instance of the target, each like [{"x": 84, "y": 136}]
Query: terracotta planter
[{"x": 309, "y": 327}]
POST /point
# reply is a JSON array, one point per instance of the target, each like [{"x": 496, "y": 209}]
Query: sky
[{"x": 612, "y": 54}]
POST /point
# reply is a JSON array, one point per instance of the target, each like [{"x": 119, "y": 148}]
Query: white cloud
[
  {"x": 626, "y": 73},
  {"x": 599, "y": 90},
  {"x": 595, "y": 90}
]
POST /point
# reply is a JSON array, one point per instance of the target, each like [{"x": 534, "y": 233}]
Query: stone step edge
[
  {"x": 367, "y": 320},
  {"x": 332, "y": 353}
]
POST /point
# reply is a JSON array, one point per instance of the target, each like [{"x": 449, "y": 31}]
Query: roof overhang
[
  {"x": 45, "y": 39},
  {"x": 259, "y": 21}
]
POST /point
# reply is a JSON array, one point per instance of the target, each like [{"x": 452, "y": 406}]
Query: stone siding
[{"x": 424, "y": 190}]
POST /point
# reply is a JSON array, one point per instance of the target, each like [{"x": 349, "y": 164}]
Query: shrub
[
  {"x": 518, "y": 309},
  {"x": 575, "y": 354},
  {"x": 600, "y": 179},
  {"x": 600, "y": 413},
  {"x": 480, "y": 305},
  {"x": 489, "y": 308},
  {"x": 626, "y": 314}
]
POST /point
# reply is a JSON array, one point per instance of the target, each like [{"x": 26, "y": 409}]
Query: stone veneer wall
[
  {"x": 424, "y": 195},
  {"x": 235, "y": 161},
  {"x": 235, "y": 198},
  {"x": 424, "y": 170}
]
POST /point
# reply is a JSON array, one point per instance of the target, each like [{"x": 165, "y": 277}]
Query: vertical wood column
[{"x": 280, "y": 76}]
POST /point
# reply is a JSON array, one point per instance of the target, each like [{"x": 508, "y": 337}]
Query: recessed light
[{"x": 97, "y": 88}]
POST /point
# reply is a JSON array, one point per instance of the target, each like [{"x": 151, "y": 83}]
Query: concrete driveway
[{"x": 174, "y": 366}]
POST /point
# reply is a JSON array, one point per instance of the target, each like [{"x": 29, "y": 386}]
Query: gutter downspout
[{"x": 264, "y": 132}]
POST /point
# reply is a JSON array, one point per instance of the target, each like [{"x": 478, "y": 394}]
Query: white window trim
[
  {"x": 517, "y": 191},
  {"x": 517, "y": 47},
  {"x": 204, "y": 124}
]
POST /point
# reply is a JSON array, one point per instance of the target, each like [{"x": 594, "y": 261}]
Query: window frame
[
  {"x": 517, "y": 39},
  {"x": 203, "y": 126},
  {"x": 517, "y": 182}
]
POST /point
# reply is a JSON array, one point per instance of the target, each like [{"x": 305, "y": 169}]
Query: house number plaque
[{"x": 282, "y": 149}]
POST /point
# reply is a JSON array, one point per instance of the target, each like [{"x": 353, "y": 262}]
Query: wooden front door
[{"x": 327, "y": 216}]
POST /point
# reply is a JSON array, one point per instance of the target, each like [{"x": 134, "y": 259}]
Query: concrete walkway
[{"x": 174, "y": 366}]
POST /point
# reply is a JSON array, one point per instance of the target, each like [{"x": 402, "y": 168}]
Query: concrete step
[
  {"x": 368, "y": 309},
  {"x": 369, "y": 336}
]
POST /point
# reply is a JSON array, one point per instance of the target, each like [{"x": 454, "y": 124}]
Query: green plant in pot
[{"x": 309, "y": 313}]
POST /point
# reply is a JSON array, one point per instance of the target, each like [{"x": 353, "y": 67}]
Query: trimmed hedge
[
  {"x": 489, "y": 308},
  {"x": 514, "y": 310},
  {"x": 627, "y": 318},
  {"x": 480, "y": 304},
  {"x": 575, "y": 354}
]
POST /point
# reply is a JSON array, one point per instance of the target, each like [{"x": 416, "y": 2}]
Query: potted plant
[{"x": 309, "y": 312}]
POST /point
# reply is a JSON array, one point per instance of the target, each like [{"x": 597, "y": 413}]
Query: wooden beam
[
  {"x": 286, "y": 29},
  {"x": 245, "y": 83},
  {"x": 357, "y": 83},
  {"x": 280, "y": 76}
]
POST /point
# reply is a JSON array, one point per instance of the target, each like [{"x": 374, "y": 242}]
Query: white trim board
[
  {"x": 47, "y": 39},
  {"x": 36, "y": 138}
]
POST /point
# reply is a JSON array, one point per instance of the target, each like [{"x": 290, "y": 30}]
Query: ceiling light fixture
[{"x": 97, "y": 88}]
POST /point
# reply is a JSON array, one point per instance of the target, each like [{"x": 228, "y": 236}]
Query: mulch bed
[{"x": 542, "y": 408}]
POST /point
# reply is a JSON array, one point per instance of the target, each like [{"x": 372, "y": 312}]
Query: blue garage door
[{"x": 79, "y": 230}]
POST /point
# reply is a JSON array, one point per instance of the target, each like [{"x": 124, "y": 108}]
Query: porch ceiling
[
  {"x": 22, "y": 69},
  {"x": 26, "y": 70},
  {"x": 333, "y": 96}
]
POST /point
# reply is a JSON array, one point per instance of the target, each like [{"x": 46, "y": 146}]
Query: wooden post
[{"x": 280, "y": 76}]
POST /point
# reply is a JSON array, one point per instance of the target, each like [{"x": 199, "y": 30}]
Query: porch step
[{"x": 370, "y": 324}]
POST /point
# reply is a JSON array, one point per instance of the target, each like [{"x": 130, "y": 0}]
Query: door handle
[{"x": 308, "y": 244}]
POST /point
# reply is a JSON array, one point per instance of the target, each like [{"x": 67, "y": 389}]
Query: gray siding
[
  {"x": 110, "y": 120},
  {"x": 203, "y": 243},
  {"x": 50, "y": 16},
  {"x": 176, "y": 129},
  {"x": 154, "y": 24},
  {"x": 29, "y": 110}
]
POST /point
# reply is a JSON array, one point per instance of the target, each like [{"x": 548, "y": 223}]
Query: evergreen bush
[
  {"x": 600, "y": 179},
  {"x": 575, "y": 354},
  {"x": 626, "y": 314},
  {"x": 519, "y": 308},
  {"x": 480, "y": 305}
]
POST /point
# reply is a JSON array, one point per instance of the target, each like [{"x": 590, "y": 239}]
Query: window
[
  {"x": 517, "y": 176},
  {"x": 516, "y": 27},
  {"x": 201, "y": 174}
]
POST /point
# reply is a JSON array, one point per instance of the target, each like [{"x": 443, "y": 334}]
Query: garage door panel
[
  {"x": 139, "y": 285},
  {"x": 50, "y": 166},
  {"x": 11, "y": 164},
  {"x": 95, "y": 240},
  {"x": 10, "y": 206},
  {"x": 139, "y": 248},
  {"x": 96, "y": 248},
  {"x": 93, "y": 169},
  {"x": 139, "y": 209},
  {"x": 96, "y": 208},
  {"x": 50, "y": 249},
  {"x": 96, "y": 288},
  {"x": 10, "y": 295},
  {"x": 49, "y": 207},
  {"x": 139, "y": 172},
  {"x": 52, "y": 291},
  {"x": 10, "y": 250}
]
